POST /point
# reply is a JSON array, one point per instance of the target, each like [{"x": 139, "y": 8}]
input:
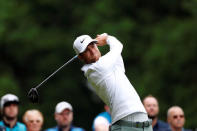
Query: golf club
[{"x": 33, "y": 93}]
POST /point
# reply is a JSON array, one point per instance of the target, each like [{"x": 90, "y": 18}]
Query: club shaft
[{"x": 57, "y": 71}]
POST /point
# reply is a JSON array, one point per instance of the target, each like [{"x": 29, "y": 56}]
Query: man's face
[
  {"x": 151, "y": 106},
  {"x": 11, "y": 111},
  {"x": 34, "y": 122},
  {"x": 91, "y": 54},
  {"x": 64, "y": 119},
  {"x": 176, "y": 118}
]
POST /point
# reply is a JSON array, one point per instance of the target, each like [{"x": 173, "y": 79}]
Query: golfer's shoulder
[{"x": 113, "y": 41}]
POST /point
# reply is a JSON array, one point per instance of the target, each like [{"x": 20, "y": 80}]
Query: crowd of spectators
[{"x": 33, "y": 119}]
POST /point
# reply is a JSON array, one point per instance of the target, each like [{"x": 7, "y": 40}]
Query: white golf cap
[
  {"x": 8, "y": 98},
  {"x": 81, "y": 43},
  {"x": 62, "y": 106}
]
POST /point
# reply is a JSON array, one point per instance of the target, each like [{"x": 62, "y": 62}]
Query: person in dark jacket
[{"x": 152, "y": 107}]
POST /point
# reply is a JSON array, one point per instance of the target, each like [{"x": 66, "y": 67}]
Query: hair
[
  {"x": 171, "y": 108},
  {"x": 25, "y": 116},
  {"x": 151, "y": 96}
]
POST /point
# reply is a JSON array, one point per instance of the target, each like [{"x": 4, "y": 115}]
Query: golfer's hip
[{"x": 134, "y": 122}]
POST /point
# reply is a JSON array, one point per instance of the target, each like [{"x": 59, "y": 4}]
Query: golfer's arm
[
  {"x": 115, "y": 45},
  {"x": 111, "y": 58}
]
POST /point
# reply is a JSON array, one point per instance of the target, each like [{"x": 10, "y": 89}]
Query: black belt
[{"x": 134, "y": 124}]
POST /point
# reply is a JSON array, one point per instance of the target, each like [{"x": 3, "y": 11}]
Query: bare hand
[{"x": 102, "y": 39}]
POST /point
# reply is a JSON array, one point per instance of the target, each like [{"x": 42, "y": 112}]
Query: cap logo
[{"x": 82, "y": 40}]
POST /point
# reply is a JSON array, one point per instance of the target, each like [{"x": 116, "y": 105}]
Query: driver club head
[{"x": 33, "y": 95}]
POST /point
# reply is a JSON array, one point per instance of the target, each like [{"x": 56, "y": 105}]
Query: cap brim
[
  {"x": 10, "y": 102},
  {"x": 61, "y": 110},
  {"x": 86, "y": 45}
]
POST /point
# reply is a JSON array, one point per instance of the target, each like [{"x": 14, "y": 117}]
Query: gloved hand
[{"x": 33, "y": 95}]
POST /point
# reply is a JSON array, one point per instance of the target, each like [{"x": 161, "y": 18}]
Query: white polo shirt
[{"x": 108, "y": 78}]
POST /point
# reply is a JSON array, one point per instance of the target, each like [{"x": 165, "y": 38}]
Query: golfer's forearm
[
  {"x": 114, "y": 44},
  {"x": 112, "y": 57}
]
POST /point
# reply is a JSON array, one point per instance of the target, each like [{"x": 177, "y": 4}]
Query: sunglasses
[{"x": 176, "y": 116}]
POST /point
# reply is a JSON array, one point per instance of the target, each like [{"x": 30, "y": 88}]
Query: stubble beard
[
  {"x": 10, "y": 118},
  {"x": 152, "y": 117}
]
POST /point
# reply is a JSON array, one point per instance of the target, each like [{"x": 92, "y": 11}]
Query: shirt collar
[{"x": 8, "y": 125}]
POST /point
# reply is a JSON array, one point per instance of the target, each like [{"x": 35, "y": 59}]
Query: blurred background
[{"x": 159, "y": 39}]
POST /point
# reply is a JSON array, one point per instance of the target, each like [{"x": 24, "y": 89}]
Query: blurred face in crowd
[
  {"x": 64, "y": 119},
  {"x": 151, "y": 106},
  {"x": 10, "y": 111},
  {"x": 176, "y": 117},
  {"x": 91, "y": 54},
  {"x": 33, "y": 120}
]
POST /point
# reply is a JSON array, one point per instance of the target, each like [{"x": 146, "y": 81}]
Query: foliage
[{"x": 159, "y": 51}]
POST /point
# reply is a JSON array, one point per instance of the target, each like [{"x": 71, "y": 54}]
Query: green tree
[{"x": 159, "y": 51}]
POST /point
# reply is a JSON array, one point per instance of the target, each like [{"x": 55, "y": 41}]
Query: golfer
[{"x": 107, "y": 75}]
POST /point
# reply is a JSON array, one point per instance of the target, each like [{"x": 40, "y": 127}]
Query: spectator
[
  {"x": 64, "y": 118},
  {"x": 103, "y": 120},
  {"x": 176, "y": 119},
  {"x": 33, "y": 119},
  {"x": 9, "y": 107},
  {"x": 152, "y": 107}
]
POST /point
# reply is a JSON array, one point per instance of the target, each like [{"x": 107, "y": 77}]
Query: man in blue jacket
[
  {"x": 9, "y": 110},
  {"x": 152, "y": 107},
  {"x": 2, "y": 128}
]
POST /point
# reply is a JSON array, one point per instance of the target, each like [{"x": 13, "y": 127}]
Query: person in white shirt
[{"x": 107, "y": 75}]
